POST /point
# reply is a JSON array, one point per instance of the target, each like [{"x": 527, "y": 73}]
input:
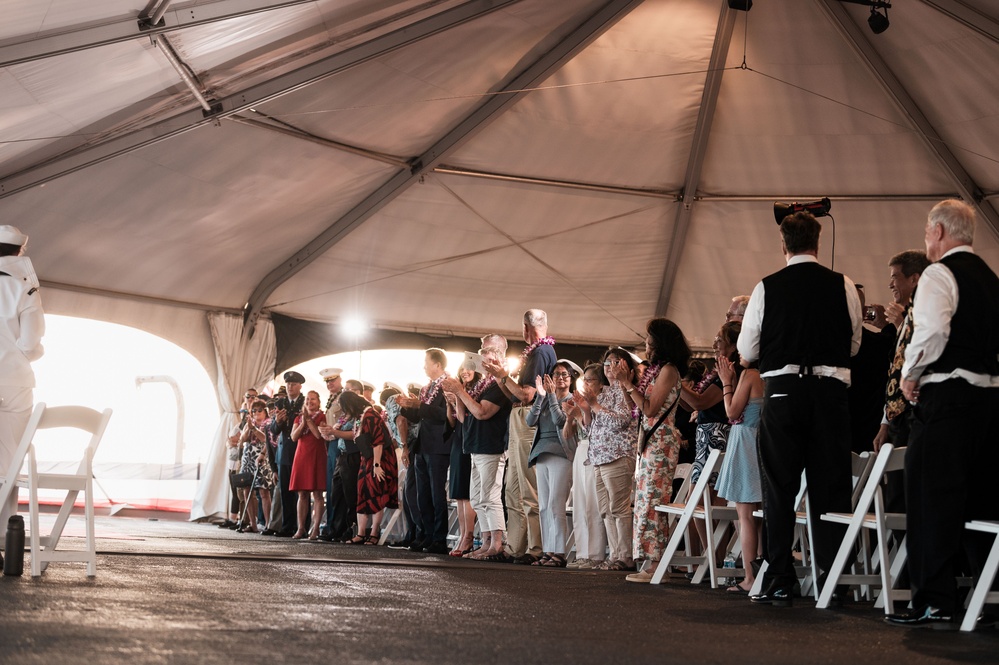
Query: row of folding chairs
[{"x": 871, "y": 556}]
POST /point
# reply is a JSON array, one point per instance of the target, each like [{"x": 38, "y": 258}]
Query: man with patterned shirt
[
  {"x": 334, "y": 383},
  {"x": 951, "y": 375},
  {"x": 538, "y": 359}
]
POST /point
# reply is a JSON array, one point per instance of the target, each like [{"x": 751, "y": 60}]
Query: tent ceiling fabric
[{"x": 565, "y": 200}]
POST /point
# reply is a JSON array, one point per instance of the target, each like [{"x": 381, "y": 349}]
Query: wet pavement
[{"x": 174, "y": 592}]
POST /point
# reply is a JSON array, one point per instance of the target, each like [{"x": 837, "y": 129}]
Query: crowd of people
[{"x": 803, "y": 373}]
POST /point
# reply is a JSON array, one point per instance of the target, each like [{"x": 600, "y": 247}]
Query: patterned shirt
[{"x": 613, "y": 433}]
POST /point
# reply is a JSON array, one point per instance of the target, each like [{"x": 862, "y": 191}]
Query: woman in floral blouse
[{"x": 606, "y": 413}]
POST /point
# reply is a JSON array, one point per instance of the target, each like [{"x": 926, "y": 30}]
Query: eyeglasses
[
  {"x": 591, "y": 380},
  {"x": 561, "y": 375},
  {"x": 257, "y": 409},
  {"x": 249, "y": 396}
]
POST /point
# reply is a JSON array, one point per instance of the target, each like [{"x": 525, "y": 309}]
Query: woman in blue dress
[{"x": 739, "y": 477}]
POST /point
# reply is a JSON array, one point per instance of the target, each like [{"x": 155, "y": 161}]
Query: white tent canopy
[{"x": 441, "y": 165}]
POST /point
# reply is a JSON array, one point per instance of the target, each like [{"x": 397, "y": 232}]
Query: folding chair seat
[
  {"x": 982, "y": 592},
  {"x": 682, "y": 514},
  {"x": 43, "y": 548},
  {"x": 889, "y": 562}
]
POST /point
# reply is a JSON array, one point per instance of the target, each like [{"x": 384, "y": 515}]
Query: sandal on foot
[
  {"x": 372, "y": 539},
  {"x": 356, "y": 540},
  {"x": 499, "y": 557},
  {"x": 737, "y": 588},
  {"x": 552, "y": 561}
]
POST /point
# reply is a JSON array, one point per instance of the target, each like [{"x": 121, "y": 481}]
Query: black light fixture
[
  {"x": 741, "y": 5},
  {"x": 818, "y": 208},
  {"x": 877, "y": 20}
]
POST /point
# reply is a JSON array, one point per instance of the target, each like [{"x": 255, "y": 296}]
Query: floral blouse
[{"x": 613, "y": 433}]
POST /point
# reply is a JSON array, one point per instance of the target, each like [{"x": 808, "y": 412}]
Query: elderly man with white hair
[
  {"x": 951, "y": 374},
  {"x": 22, "y": 324}
]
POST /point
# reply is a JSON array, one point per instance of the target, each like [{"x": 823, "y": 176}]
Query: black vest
[
  {"x": 806, "y": 320},
  {"x": 973, "y": 344}
]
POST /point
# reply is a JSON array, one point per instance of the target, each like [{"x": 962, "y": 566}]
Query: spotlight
[
  {"x": 818, "y": 208},
  {"x": 878, "y": 21},
  {"x": 741, "y": 5}
]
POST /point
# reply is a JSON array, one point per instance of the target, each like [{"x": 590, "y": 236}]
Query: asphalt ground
[{"x": 175, "y": 592}]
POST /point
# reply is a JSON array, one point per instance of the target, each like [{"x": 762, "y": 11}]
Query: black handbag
[{"x": 242, "y": 479}]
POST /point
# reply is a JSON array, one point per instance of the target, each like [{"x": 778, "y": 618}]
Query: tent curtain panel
[{"x": 241, "y": 364}]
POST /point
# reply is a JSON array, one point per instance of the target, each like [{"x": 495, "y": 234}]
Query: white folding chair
[
  {"x": 685, "y": 511},
  {"x": 43, "y": 548},
  {"x": 982, "y": 593},
  {"x": 881, "y": 522}
]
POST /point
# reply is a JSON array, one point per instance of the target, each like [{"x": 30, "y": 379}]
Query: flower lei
[
  {"x": 648, "y": 378},
  {"x": 549, "y": 340},
  {"x": 480, "y": 386},
  {"x": 429, "y": 391},
  {"x": 708, "y": 379}
]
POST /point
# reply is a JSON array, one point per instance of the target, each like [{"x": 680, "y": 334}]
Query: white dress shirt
[
  {"x": 933, "y": 308},
  {"x": 752, "y": 324},
  {"x": 22, "y": 322}
]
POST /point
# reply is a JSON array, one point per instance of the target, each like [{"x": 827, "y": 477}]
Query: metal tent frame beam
[
  {"x": 702, "y": 131},
  {"x": 857, "y": 38},
  {"x": 491, "y": 109},
  {"x": 984, "y": 25},
  {"x": 117, "y": 146},
  {"x": 127, "y": 29}
]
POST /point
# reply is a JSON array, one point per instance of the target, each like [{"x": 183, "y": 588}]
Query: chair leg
[
  {"x": 91, "y": 536},
  {"x": 36, "y": 537}
]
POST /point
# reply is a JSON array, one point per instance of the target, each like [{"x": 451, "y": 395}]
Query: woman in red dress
[
  {"x": 377, "y": 478},
  {"x": 308, "y": 470}
]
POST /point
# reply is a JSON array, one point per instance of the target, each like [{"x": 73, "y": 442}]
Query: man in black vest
[
  {"x": 951, "y": 373},
  {"x": 802, "y": 324}
]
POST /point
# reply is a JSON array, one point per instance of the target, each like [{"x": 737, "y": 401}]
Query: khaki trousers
[{"x": 523, "y": 522}]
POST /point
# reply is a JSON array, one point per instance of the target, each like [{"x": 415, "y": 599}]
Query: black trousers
[
  {"x": 289, "y": 500},
  {"x": 805, "y": 425},
  {"x": 950, "y": 467},
  {"x": 894, "y": 487},
  {"x": 431, "y": 490},
  {"x": 344, "y": 493},
  {"x": 411, "y": 504}
]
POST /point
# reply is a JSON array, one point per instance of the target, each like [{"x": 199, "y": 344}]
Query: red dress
[
  {"x": 372, "y": 494},
  {"x": 308, "y": 470}
]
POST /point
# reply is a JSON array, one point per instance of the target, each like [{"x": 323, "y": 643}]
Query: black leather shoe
[
  {"x": 926, "y": 617},
  {"x": 778, "y": 596},
  {"x": 438, "y": 548},
  {"x": 283, "y": 534},
  {"x": 418, "y": 546},
  {"x": 268, "y": 532},
  {"x": 326, "y": 537}
]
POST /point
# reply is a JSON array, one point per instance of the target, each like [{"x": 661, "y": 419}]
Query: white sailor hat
[
  {"x": 368, "y": 385},
  {"x": 575, "y": 368},
  {"x": 330, "y": 373},
  {"x": 394, "y": 386},
  {"x": 11, "y": 235}
]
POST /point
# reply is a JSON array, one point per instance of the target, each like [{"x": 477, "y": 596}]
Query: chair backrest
[
  {"x": 77, "y": 417},
  {"x": 862, "y": 465},
  {"x": 889, "y": 458},
  {"x": 682, "y": 473}
]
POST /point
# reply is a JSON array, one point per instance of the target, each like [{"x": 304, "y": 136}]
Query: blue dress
[{"x": 739, "y": 478}]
